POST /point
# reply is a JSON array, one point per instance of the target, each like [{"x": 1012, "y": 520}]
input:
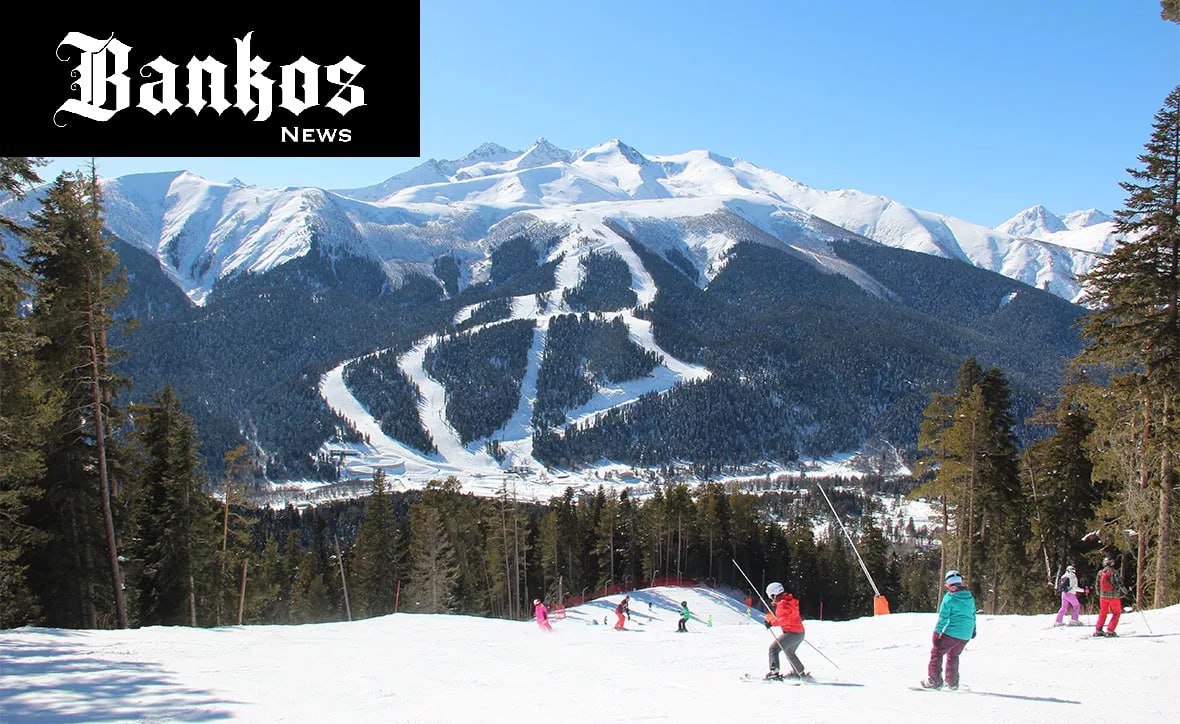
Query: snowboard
[{"x": 1023, "y": 697}]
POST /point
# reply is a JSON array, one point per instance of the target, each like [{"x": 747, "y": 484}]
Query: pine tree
[
  {"x": 1136, "y": 329},
  {"x": 27, "y": 406},
  {"x": 377, "y": 554},
  {"x": 76, "y": 289},
  {"x": 434, "y": 573},
  {"x": 969, "y": 461},
  {"x": 175, "y": 528},
  {"x": 1058, "y": 477},
  {"x": 312, "y": 598}
]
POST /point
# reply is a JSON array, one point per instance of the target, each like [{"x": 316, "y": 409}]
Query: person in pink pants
[
  {"x": 542, "y": 615},
  {"x": 1068, "y": 586}
]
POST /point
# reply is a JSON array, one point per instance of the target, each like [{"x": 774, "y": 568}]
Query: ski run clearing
[{"x": 435, "y": 668}]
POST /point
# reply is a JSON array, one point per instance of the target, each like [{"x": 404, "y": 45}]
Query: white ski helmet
[{"x": 774, "y": 589}]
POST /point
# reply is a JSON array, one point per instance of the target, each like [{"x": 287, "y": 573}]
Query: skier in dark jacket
[
  {"x": 1109, "y": 586},
  {"x": 955, "y": 627}
]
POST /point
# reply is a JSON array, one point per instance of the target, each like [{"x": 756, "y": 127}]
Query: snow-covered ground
[{"x": 429, "y": 668}]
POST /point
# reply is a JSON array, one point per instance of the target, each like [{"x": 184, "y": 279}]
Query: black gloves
[{"x": 974, "y": 631}]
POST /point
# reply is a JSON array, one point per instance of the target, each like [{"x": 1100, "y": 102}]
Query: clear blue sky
[{"x": 975, "y": 110}]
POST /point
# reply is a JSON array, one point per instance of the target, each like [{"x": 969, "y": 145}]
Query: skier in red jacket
[{"x": 786, "y": 615}]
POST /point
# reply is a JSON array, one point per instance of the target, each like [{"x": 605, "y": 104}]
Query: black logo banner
[{"x": 295, "y": 85}]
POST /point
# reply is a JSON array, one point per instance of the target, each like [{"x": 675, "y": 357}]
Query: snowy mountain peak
[
  {"x": 486, "y": 152},
  {"x": 543, "y": 153},
  {"x": 614, "y": 148},
  {"x": 1033, "y": 223},
  {"x": 1086, "y": 217}
]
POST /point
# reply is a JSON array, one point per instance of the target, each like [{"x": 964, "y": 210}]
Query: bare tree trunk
[
  {"x": 1140, "y": 524},
  {"x": 192, "y": 602},
  {"x": 242, "y": 594},
  {"x": 224, "y": 550},
  {"x": 344, "y": 579},
  {"x": 507, "y": 562},
  {"x": 1164, "y": 541},
  {"x": 1032, "y": 479},
  {"x": 946, "y": 520},
  {"x": 104, "y": 481},
  {"x": 968, "y": 568}
]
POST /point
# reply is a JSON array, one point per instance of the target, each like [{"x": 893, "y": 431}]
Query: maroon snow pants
[{"x": 950, "y": 647}]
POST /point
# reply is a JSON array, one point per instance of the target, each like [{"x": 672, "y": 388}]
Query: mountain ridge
[{"x": 203, "y": 231}]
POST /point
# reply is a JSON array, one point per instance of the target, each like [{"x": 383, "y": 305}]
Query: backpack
[
  {"x": 1063, "y": 584},
  {"x": 1104, "y": 581}
]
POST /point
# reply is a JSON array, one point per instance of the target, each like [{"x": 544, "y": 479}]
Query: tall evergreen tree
[
  {"x": 76, "y": 288},
  {"x": 377, "y": 554},
  {"x": 1136, "y": 328},
  {"x": 312, "y": 597},
  {"x": 969, "y": 457},
  {"x": 434, "y": 572},
  {"x": 27, "y": 404},
  {"x": 1057, "y": 474},
  {"x": 175, "y": 530}
]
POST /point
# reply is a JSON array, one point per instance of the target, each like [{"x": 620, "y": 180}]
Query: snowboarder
[
  {"x": 955, "y": 627},
  {"x": 621, "y": 612},
  {"x": 1109, "y": 586},
  {"x": 542, "y": 615},
  {"x": 1067, "y": 585},
  {"x": 682, "y": 624},
  {"x": 786, "y": 615}
]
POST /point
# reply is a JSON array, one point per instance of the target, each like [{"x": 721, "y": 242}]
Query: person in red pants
[
  {"x": 1109, "y": 586},
  {"x": 621, "y": 612}
]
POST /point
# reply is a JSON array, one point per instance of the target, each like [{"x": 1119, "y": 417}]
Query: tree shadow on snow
[{"x": 59, "y": 681}]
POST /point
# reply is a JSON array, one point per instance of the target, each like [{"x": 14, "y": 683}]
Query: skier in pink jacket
[{"x": 542, "y": 615}]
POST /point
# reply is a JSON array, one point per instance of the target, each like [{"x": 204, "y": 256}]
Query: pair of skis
[{"x": 792, "y": 681}]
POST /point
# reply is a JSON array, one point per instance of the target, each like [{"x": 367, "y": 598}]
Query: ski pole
[
  {"x": 767, "y": 606},
  {"x": 1144, "y": 620}
]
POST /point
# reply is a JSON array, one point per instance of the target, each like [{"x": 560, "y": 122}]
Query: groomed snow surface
[{"x": 433, "y": 668}]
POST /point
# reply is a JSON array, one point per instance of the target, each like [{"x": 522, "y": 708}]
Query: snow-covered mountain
[
  {"x": 202, "y": 231},
  {"x": 1034, "y": 223},
  {"x": 1088, "y": 230},
  {"x": 701, "y": 279}
]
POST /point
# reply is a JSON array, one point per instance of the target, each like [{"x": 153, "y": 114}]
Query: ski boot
[
  {"x": 773, "y": 676},
  {"x": 928, "y": 684}
]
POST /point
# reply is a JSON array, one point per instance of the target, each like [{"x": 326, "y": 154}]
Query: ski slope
[
  {"x": 472, "y": 462},
  {"x": 432, "y": 668}
]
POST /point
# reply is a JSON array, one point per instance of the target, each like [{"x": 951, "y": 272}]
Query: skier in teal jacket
[{"x": 955, "y": 627}]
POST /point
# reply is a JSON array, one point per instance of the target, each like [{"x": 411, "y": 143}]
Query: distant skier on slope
[
  {"x": 955, "y": 627},
  {"x": 621, "y": 612},
  {"x": 786, "y": 615},
  {"x": 682, "y": 624},
  {"x": 1109, "y": 586},
  {"x": 542, "y": 615},
  {"x": 1067, "y": 585}
]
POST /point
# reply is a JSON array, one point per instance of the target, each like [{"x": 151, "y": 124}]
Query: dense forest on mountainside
[{"x": 581, "y": 353}]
